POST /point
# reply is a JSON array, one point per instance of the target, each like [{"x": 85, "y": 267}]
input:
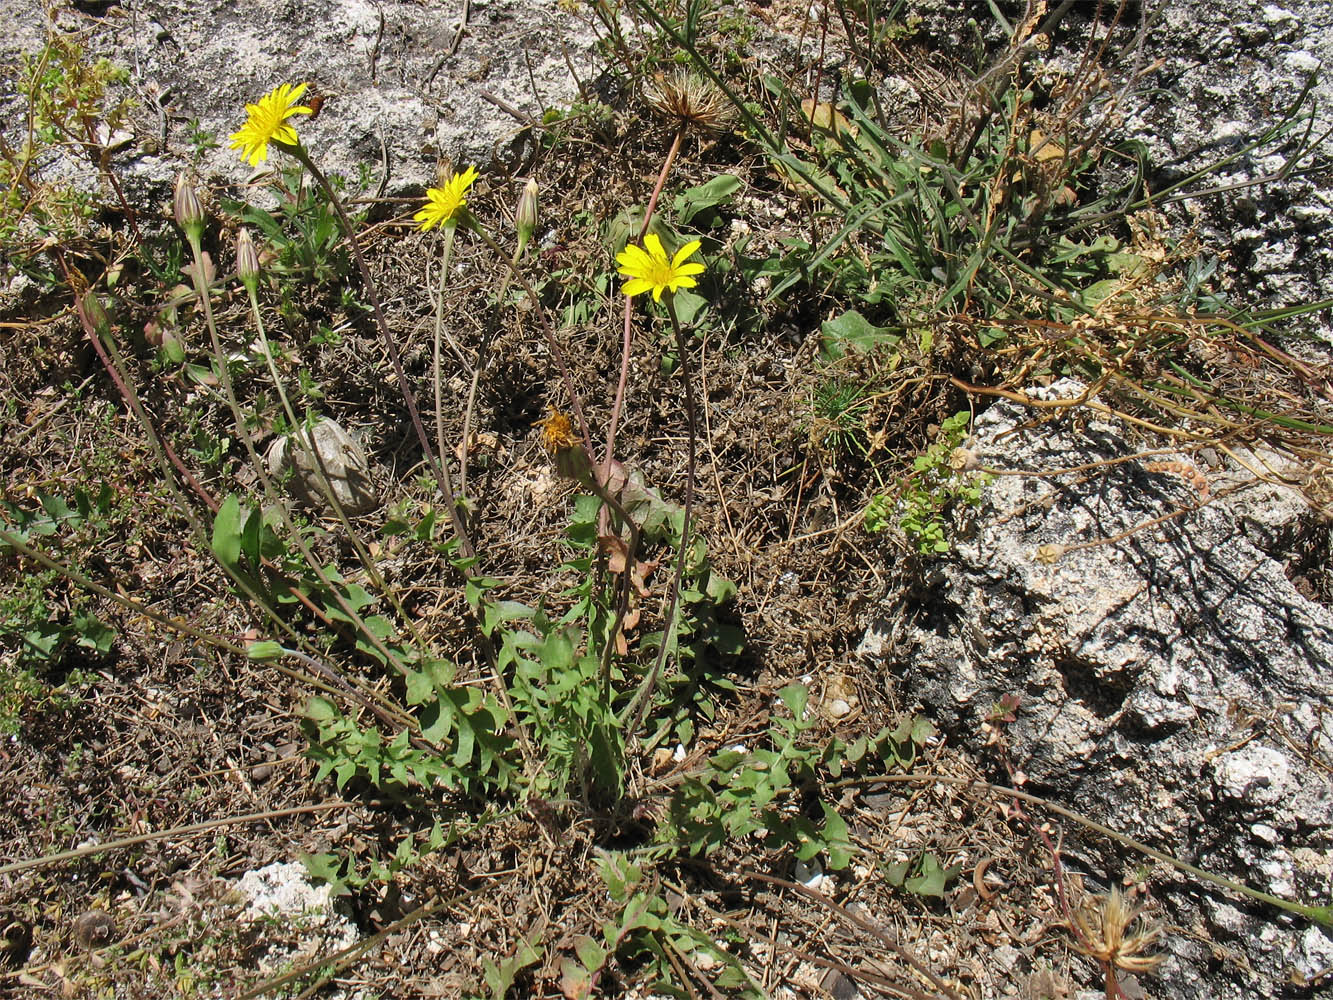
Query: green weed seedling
[
  {"x": 941, "y": 480},
  {"x": 644, "y": 934},
  {"x": 922, "y": 875},
  {"x": 75, "y": 104},
  {"x": 25, "y": 611}
]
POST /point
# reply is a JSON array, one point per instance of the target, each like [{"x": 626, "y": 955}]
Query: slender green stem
[
  {"x": 409, "y": 398},
  {"x": 229, "y": 391},
  {"x": 575, "y": 400},
  {"x": 483, "y": 355},
  {"x": 307, "y": 444},
  {"x": 619, "y": 400},
  {"x": 115, "y": 365}
]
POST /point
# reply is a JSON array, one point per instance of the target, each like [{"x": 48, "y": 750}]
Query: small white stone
[
  {"x": 1303, "y": 62},
  {"x": 1264, "y": 832}
]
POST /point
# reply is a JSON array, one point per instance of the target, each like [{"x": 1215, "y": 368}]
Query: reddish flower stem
[{"x": 619, "y": 402}]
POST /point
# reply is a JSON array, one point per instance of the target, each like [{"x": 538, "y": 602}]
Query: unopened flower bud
[
  {"x": 96, "y": 313},
  {"x": 189, "y": 211},
  {"x": 247, "y": 260},
  {"x": 525, "y": 219}
]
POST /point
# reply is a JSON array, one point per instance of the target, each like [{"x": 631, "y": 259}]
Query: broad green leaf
[
  {"x": 795, "y": 697},
  {"x": 689, "y": 306},
  {"x": 853, "y": 333},
  {"x": 835, "y": 838},
  {"x": 692, "y": 201},
  {"x": 931, "y": 878},
  {"x": 319, "y": 709}
]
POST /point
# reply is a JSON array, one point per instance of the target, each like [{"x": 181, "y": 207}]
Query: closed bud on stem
[
  {"x": 247, "y": 260},
  {"x": 189, "y": 210},
  {"x": 525, "y": 219},
  {"x": 96, "y": 313}
]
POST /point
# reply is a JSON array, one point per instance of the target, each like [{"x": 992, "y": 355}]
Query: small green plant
[
  {"x": 26, "y": 611},
  {"x": 305, "y": 235},
  {"x": 75, "y": 105},
  {"x": 922, "y": 874},
  {"x": 943, "y": 477},
  {"x": 200, "y": 139},
  {"x": 743, "y": 791},
  {"x": 644, "y": 933}
]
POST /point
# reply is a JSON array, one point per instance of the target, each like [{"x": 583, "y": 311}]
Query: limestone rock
[
  {"x": 343, "y": 460},
  {"x": 1171, "y": 682}
]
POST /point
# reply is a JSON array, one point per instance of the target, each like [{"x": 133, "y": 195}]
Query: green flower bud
[{"x": 96, "y": 313}]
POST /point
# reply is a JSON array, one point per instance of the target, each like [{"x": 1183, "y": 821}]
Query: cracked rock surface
[{"x": 1175, "y": 684}]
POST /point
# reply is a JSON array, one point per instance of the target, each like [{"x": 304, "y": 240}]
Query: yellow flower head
[
  {"x": 444, "y": 203},
  {"x": 268, "y": 123},
  {"x": 648, "y": 268}
]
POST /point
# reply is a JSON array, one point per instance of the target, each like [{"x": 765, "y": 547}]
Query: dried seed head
[
  {"x": 963, "y": 460},
  {"x": 1115, "y": 932},
  {"x": 690, "y": 100}
]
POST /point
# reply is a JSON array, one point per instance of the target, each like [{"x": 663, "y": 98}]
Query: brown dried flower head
[
  {"x": 690, "y": 100},
  {"x": 1115, "y": 932},
  {"x": 571, "y": 458},
  {"x": 557, "y": 433}
]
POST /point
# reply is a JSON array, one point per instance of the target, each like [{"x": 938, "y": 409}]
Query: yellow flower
[
  {"x": 648, "y": 269},
  {"x": 443, "y": 203},
  {"x": 557, "y": 433},
  {"x": 268, "y": 123}
]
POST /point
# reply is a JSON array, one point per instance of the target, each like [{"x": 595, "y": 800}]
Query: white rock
[{"x": 343, "y": 459}]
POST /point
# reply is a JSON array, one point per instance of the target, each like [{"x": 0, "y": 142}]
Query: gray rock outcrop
[{"x": 1174, "y": 684}]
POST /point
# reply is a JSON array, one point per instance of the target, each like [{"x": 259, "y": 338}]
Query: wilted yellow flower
[
  {"x": 268, "y": 123},
  {"x": 557, "y": 433},
  {"x": 444, "y": 203},
  {"x": 648, "y": 268},
  {"x": 571, "y": 458}
]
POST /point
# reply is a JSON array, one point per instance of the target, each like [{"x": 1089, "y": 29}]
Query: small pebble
[{"x": 94, "y": 929}]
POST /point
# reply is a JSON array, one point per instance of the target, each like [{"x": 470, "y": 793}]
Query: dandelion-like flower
[
  {"x": 444, "y": 203},
  {"x": 267, "y": 122},
  {"x": 649, "y": 269},
  {"x": 690, "y": 100}
]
